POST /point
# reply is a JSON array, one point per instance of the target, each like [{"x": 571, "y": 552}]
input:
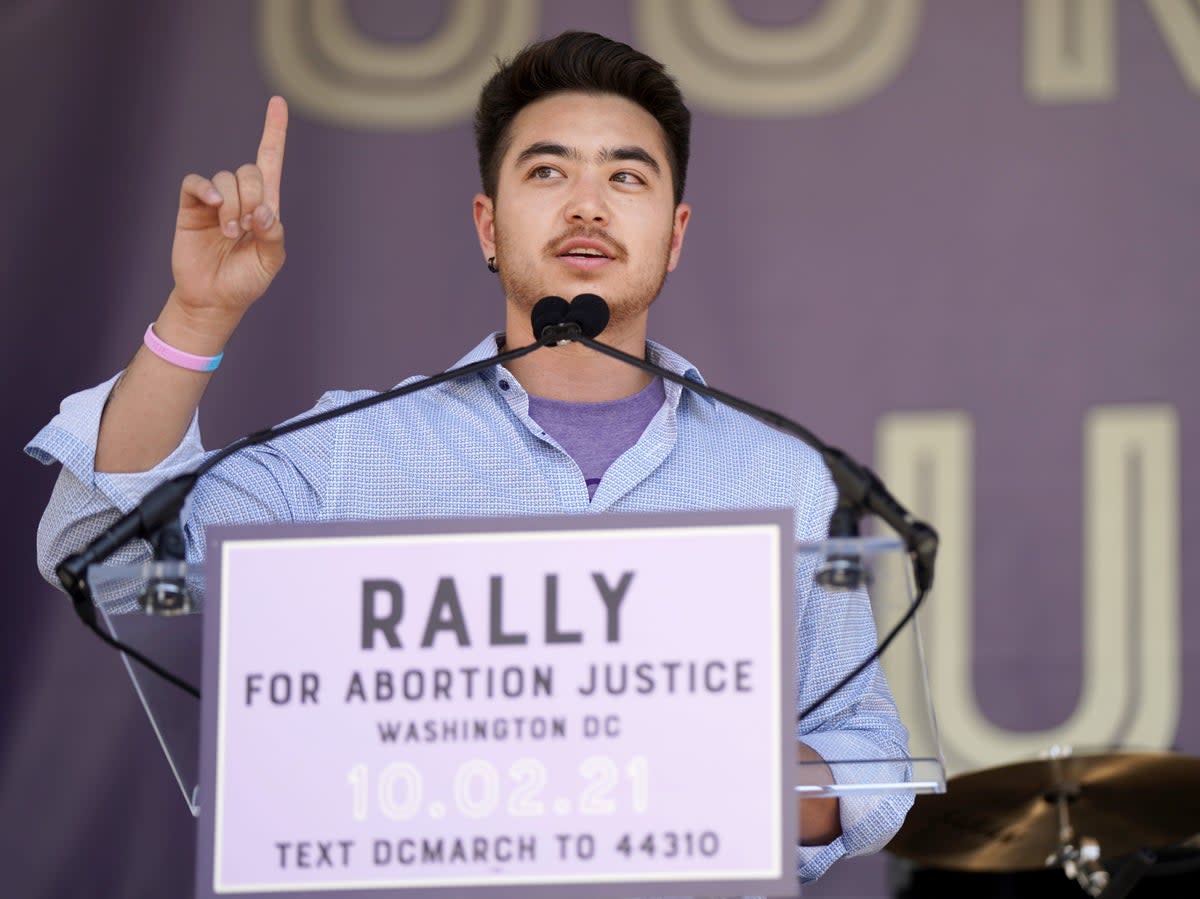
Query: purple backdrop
[{"x": 948, "y": 241}]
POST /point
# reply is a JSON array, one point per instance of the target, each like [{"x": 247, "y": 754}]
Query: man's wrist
[{"x": 196, "y": 332}]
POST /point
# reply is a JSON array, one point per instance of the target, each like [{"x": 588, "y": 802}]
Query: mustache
[{"x": 585, "y": 232}]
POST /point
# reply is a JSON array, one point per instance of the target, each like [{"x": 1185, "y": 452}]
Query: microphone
[
  {"x": 548, "y": 312},
  {"x": 557, "y": 322},
  {"x": 589, "y": 312}
]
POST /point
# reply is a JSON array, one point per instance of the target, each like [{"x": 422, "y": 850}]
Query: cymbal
[{"x": 1007, "y": 818}]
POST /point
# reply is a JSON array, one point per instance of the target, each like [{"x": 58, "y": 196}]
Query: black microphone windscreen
[
  {"x": 590, "y": 312},
  {"x": 548, "y": 311}
]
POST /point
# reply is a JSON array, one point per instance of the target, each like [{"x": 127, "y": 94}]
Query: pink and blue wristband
[{"x": 168, "y": 353}]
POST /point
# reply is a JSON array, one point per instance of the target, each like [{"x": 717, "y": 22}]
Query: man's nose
[{"x": 587, "y": 205}]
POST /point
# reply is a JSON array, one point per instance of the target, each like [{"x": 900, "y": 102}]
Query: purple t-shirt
[{"x": 595, "y": 434}]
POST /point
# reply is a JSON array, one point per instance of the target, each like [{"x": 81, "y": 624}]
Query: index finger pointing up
[{"x": 270, "y": 150}]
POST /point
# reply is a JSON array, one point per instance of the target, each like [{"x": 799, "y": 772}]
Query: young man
[{"x": 583, "y": 148}]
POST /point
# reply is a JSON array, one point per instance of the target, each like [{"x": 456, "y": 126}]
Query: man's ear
[
  {"x": 683, "y": 215},
  {"x": 484, "y": 212}
]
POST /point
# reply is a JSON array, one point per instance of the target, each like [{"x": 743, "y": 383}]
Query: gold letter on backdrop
[
  {"x": 315, "y": 55},
  {"x": 1179, "y": 23},
  {"x": 846, "y": 52},
  {"x": 1070, "y": 50},
  {"x": 1130, "y": 691},
  {"x": 843, "y": 53}
]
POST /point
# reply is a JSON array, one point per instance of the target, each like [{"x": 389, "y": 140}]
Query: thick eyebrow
[
  {"x": 630, "y": 154},
  {"x": 546, "y": 148},
  {"x": 607, "y": 154}
]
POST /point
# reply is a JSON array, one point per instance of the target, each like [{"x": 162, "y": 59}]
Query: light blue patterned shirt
[{"x": 470, "y": 448}]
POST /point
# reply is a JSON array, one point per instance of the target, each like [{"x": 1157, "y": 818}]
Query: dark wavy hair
[{"x": 590, "y": 63}]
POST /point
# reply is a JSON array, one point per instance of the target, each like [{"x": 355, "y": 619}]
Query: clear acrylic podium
[{"x": 175, "y": 642}]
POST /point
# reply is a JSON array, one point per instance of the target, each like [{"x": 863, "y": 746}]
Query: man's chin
[
  {"x": 622, "y": 309},
  {"x": 526, "y": 300}
]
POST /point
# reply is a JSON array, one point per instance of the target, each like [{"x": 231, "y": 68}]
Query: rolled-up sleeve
[{"x": 85, "y": 502}]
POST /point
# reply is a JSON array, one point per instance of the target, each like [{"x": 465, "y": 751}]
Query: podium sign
[{"x": 568, "y": 706}]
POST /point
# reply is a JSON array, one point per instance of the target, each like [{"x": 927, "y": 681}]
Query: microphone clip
[
  {"x": 166, "y": 591},
  {"x": 560, "y": 334},
  {"x": 843, "y": 571}
]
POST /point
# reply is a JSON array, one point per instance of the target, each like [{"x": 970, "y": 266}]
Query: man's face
[{"x": 584, "y": 204}]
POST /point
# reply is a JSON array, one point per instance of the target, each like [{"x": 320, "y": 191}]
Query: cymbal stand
[{"x": 1079, "y": 862}]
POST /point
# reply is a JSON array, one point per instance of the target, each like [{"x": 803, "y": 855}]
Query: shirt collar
[{"x": 655, "y": 352}]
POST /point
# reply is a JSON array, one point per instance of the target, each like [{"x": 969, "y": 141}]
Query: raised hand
[
  {"x": 228, "y": 234},
  {"x": 228, "y": 248}
]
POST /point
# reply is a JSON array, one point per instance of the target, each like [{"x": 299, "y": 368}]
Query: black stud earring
[{"x": 492, "y": 265}]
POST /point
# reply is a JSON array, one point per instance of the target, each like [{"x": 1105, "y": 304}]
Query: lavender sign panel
[{"x": 490, "y": 707}]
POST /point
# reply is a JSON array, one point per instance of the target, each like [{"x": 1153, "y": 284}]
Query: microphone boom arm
[
  {"x": 859, "y": 488},
  {"x": 166, "y": 500}
]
